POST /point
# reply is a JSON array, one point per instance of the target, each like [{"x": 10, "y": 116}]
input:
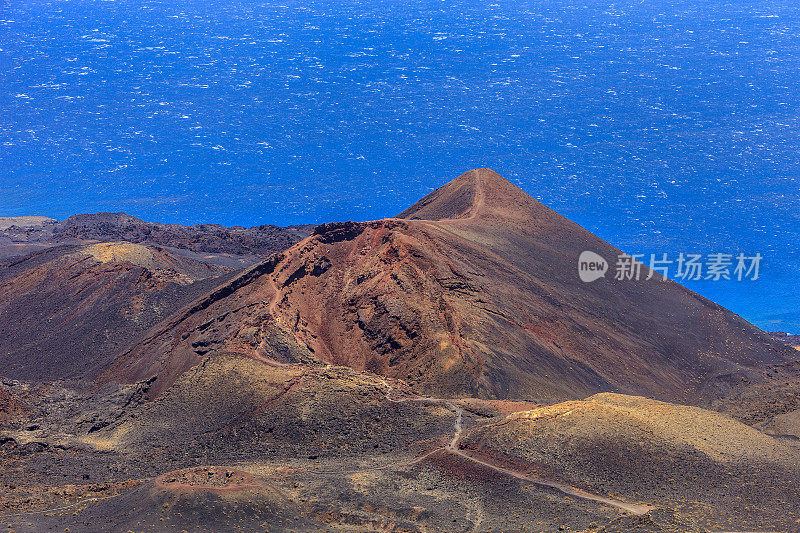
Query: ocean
[{"x": 663, "y": 127}]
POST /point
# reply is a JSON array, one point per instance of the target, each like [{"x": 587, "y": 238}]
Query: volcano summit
[{"x": 471, "y": 291}]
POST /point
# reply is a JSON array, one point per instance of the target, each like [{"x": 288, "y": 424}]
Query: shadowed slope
[
  {"x": 68, "y": 312},
  {"x": 484, "y": 301}
]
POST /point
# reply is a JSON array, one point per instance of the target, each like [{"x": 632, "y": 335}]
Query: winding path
[{"x": 452, "y": 447}]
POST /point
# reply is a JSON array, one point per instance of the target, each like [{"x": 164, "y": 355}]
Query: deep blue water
[{"x": 661, "y": 126}]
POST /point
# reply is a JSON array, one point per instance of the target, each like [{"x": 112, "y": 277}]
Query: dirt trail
[
  {"x": 633, "y": 508},
  {"x": 479, "y": 199},
  {"x": 452, "y": 447},
  {"x": 258, "y": 353}
]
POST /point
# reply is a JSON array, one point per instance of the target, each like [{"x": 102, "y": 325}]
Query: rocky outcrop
[{"x": 109, "y": 227}]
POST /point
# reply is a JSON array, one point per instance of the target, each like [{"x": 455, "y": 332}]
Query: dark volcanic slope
[
  {"x": 68, "y": 311},
  {"x": 110, "y": 227},
  {"x": 484, "y": 301}
]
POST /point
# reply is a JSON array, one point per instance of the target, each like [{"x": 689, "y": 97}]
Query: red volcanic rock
[{"x": 471, "y": 291}]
